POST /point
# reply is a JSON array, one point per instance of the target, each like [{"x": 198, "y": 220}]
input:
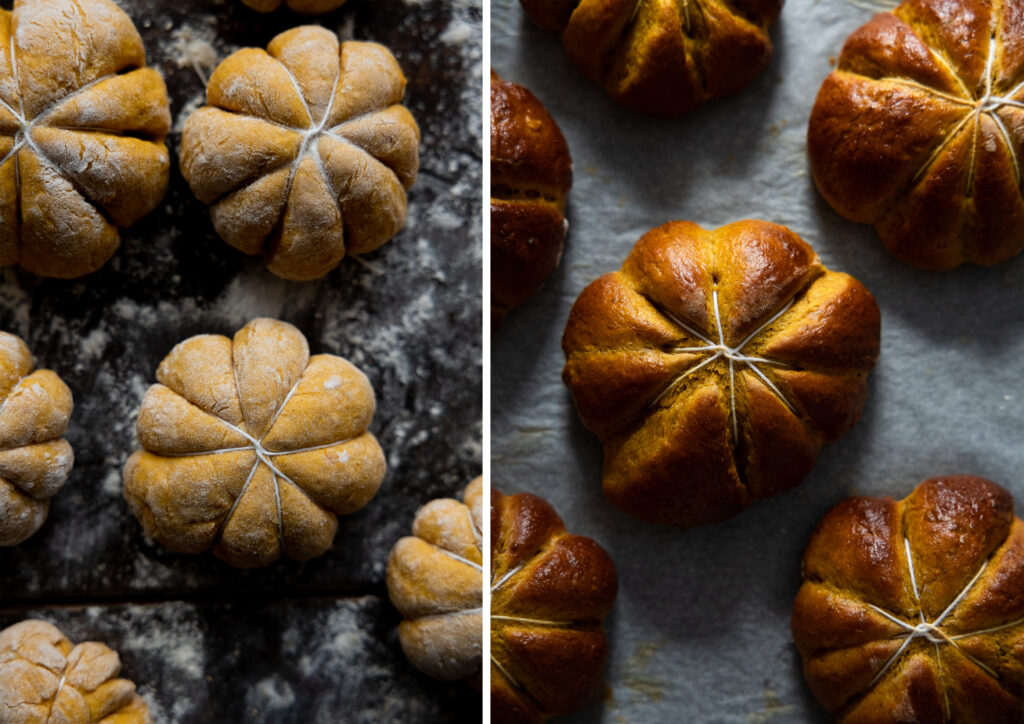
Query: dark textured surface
[{"x": 409, "y": 317}]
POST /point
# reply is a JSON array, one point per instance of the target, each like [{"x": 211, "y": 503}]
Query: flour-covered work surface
[
  {"x": 701, "y": 627},
  {"x": 291, "y": 642}
]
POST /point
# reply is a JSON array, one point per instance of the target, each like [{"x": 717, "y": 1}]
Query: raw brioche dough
[
  {"x": 82, "y": 127},
  {"x": 34, "y": 459},
  {"x": 45, "y": 680},
  {"x": 435, "y": 580},
  {"x": 913, "y": 610},
  {"x": 253, "y": 448},
  {"x": 714, "y": 365},
  {"x": 304, "y": 151},
  {"x": 664, "y": 57},
  {"x": 920, "y": 131},
  {"x": 531, "y": 173},
  {"x": 308, "y": 7},
  {"x": 550, "y": 592}
]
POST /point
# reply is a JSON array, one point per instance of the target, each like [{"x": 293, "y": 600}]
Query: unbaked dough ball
[
  {"x": 82, "y": 127},
  {"x": 435, "y": 579},
  {"x": 44, "y": 679},
  {"x": 253, "y": 448},
  {"x": 34, "y": 459},
  {"x": 304, "y": 151}
]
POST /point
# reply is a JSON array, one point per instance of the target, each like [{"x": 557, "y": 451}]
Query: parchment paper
[{"x": 700, "y": 631}]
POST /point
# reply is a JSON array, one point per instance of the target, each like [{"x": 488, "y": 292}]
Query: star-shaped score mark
[
  {"x": 732, "y": 356},
  {"x": 933, "y": 631}
]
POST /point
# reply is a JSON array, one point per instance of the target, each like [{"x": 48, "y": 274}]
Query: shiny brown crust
[
  {"x": 550, "y": 592},
  {"x": 688, "y": 439},
  {"x": 920, "y": 131},
  {"x": 531, "y": 174},
  {"x": 663, "y": 58},
  {"x": 962, "y": 588}
]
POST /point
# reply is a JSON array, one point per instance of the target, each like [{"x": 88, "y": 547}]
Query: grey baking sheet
[
  {"x": 302, "y": 643},
  {"x": 700, "y": 631}
]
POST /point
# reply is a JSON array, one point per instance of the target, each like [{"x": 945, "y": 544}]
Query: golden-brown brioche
[
  {"x": 435, "y": 580},
  {"x": 663, "y": 57},
  {"x": 81, "y": 134},
  {"x": 253, "y": 448},
  {"x": 913, "y": 610},
  {"x": 713, "y": 366},
  {"x": 920, "y": 131},
  {"x": 531, "y": 174},
  {"x": 304, "y": 150},
  {"x": 44, "y": 678},
  {"x": 35, "y": 460},
  {"x": 550, "y": 593}
]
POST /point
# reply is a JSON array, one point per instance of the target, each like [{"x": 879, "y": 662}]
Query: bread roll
[
  {"x": 663, "y": 57},
  {"x": 82, "y": 128},
  {"x": 920, "y": 131},
  {"x": 913, "y": 610},
  {"x": 714, "y": 365},
  {"x": 44, "y": 678},
  {"x": 304, "y": 150},
  {"x": 253, "y": 448},
  {"x": 531, "y": 174},
  {"x": 550, "y": 593},
  {"x": 435, "y": 580},
  {"x": 35, "y": 460}
]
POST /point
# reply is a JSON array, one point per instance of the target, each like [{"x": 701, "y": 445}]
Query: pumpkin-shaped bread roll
[
  {"x": 714, "y": 365},
  {"x": 531, "y": 173},
  {"x": 82, "y": 128},
  {"x": 304, "y": 151},
  {"x": 920, "y": 131},
  {"x": 913, "y": 610},
  {"x": 435, "y": 580},
  {"x": 44, "y": 679},
  {"x": 550, "y": 592},
  {"x": 34, "y": 459},
  {"x": 663, "y": 57},
  {"x": 307, "y": 7},
  {"x": 253, "y": 448}
]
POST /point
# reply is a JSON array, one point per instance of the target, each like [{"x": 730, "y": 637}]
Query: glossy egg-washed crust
[
  {"x": 306, "y": 7},
  {"x": 82, "y": 128},
  {"x": 435, "y": 580},
  {"x": 531, "y": 174},
  {"x": 252, "y": 447},
  {"x": 550, "y": 592},
  {"x": 304, "y": 150},
  {"x": 663, "y": 57},
  {"x": 35, "y": 460},
  {"x": 46, "y": 679},
  {"x": 966, "y": 562},
  {"x": 687, "y": 444},
  {"x": 902, "y": 137}
]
